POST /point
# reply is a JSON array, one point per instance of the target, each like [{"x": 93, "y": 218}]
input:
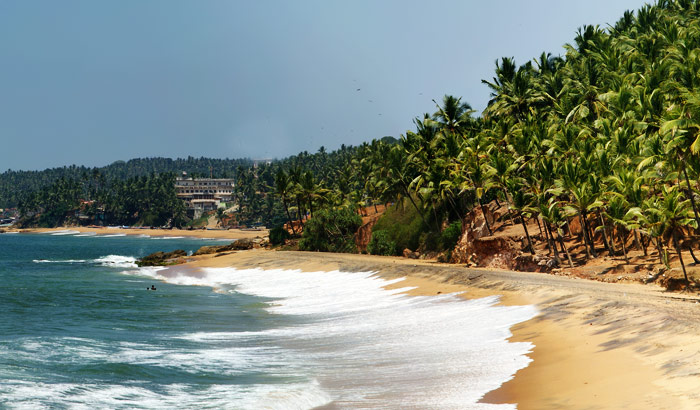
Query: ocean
[{"x": 80, "y": 330}]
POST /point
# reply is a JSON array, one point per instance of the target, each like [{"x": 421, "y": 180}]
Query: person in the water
[{"x": 151, "y": 288}]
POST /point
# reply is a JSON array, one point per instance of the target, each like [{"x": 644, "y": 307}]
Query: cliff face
[
  {"x": 364, "y": 234},
  {"x": 504, "y": 250}
]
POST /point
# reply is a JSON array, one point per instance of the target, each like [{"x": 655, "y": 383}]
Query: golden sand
[{"x": 597, "y": 345}]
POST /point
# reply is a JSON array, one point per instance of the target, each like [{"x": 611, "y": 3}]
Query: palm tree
[
  {"x": 282, "y": 188},
  {"x": 673, "y": 215}
]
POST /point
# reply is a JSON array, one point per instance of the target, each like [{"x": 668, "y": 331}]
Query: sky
[{"x": 92, "y": 82}]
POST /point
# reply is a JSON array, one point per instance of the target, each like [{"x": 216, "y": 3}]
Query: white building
[{"x": 204, "y": 194}]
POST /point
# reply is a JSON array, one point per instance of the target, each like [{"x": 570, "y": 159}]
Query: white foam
[
  {"x": 116, "y": 261},
  {"x": 17, "y": 394},
  {"x": 114, "y": 235},
  {"x": 64, "y": 232},
  {"x": 59, "y": 261},
  {"x": 86, "y": 234},
  {"x": 370, "y": 347},
  {"x": 167, "y": 237}
]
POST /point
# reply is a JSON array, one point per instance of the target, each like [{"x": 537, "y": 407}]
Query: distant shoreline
[
  {"x": 598, "y": 345},
  {"x": 232, "y": 234}
]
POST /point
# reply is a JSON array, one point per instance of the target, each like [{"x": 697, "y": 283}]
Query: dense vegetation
[
  {"x": 149, "y": 200},
  {"x": 15, "y": 185},
  {"x": 609, "y": 134}
]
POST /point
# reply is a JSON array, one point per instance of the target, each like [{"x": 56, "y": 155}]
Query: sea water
[{"x": 78, "y": 329}]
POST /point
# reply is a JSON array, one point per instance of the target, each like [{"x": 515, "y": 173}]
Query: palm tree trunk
[
  {"x": 690, "y": 194},
  {"x": 624, "y": 248},
  {"x": 556, "y": 251},
  {"x": 527, "y": 234},
  {"x": 589, "y": 234},
  {"x": 549, "y": 239},
  {"x": 568, "y": 228},
  {"x": 612, "y": 242},
  {"x": 585, "y": 235},
  {"x": 301, "y": 219},
  {"x": 486, "y": 219},
  {"x": 605, "y": 234},
  {"x": 680, "y": 257},
  {"x": 659, "y": 248},
  {"x": 537, "y": 218},
  {"x": 637, "y": 243},
  {"x": 568, "y": 255},
  {"x": 695, "y": 259},
  {"x": 510, "y": 214}
]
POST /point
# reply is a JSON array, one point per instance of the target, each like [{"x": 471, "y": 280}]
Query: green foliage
[
  {"x": 450, "y": 236},
  {"x": 331, "y": 230},
  {"x": 403, "y": 226},
  {"x": 429, "y": 241},
  {"x": 381, "y": 244},
  {"x": 199, "y": 222},
  {"x": 278, "y": 235}
]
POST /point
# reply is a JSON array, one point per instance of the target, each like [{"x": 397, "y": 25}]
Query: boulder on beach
[
  {"x": 162, "y": 258},
  {"x": 239, "y": 245}
]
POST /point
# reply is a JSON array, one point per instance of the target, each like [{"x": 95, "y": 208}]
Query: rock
[
  {"x": 653, "y": 276},
  {"x": 407, "y": 253},
  {"x": 526, "y": 263},
  {"x": 553, "y": 263},
  {"x": 673, "y": 284},
  {"x": 239, "y": 245},
  {"x": 206, "y": 250},
  {"x": 162, "y": 258}
]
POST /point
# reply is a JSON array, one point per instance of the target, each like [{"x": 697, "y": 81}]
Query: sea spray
[{"x": 369, "y": 346}]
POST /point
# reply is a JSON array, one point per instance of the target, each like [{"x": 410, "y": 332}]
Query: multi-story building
[{"x": 203, "y": 194}]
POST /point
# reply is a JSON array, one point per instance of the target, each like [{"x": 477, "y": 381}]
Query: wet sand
[{"x": 597, "y": 345}]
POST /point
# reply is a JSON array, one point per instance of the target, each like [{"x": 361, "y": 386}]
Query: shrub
[
  {"x": 278, "y": 236},
  {"x": 331, "y": 230},
  {"x": 430, "y": 241},
  {"x": 381, "y": 244},
  {"x": 451, "y": 235},
  {"x": 402, "y": 225}
]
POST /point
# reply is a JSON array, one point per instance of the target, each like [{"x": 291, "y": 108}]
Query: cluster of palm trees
[
  {"x": 609, "y": 134},
  {"x": 148, "y": 200}
]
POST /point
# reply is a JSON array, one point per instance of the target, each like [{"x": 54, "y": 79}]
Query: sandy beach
[
  {"x": 597, "y": 345},
  {"x": 196, "y": 233}
]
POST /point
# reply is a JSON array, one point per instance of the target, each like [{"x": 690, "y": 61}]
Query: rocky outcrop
[
  {"x": 407, "y": 253},
  {"x": 477, "y": 248},
  {"x": 207, "y": 250},
  {"x": 364, "y": 234},
  {"x": 163, "y": 258},
  {"x": 239, "y": 245}
]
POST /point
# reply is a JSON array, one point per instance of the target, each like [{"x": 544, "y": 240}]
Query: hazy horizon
[{"x": 91, "y": 83}]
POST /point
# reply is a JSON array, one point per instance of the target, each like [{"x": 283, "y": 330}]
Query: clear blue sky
[{"x": 91, "y": 82}]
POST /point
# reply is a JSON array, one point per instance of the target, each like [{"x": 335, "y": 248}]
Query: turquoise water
[{"x": 78, "y": 329}]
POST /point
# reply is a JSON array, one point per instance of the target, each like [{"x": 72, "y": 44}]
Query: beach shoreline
[
  {"x": 232, "y": 234},
  {"x": 597, "y": 345}
]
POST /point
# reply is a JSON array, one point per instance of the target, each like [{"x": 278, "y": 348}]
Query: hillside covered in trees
[{"x": 607, "y": 134}]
